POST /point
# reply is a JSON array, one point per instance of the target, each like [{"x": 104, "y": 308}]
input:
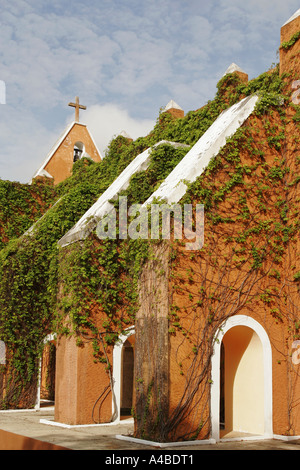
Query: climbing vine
[
  {"x": 288, "y": 44},
  {"x": 21, "y": 205}
]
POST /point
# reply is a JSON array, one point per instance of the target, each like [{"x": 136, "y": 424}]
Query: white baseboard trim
[
  {"x": 164, "y": 444},
  {"x": 74, "y": 426},
  {"x": 285, "y": 438}
]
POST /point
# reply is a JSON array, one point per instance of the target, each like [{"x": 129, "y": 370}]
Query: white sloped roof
[
  {"x": 293, "y": 17},
  {"x": 172, "y": 105},
  {"x": 124, "y": 134},
  {"x": 102, "y": 206},
  {"x": 53, "y": 150},
  {"x": 196, "y": 160},
  {"x": 233, "y": 68}
]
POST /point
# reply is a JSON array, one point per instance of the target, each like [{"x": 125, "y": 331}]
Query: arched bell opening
[{"x": 78, "y": 151}]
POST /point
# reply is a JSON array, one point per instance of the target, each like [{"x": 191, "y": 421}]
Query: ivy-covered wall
[
  {"x": 21, "y": 205},
  {"x": 249, "y": 265}
]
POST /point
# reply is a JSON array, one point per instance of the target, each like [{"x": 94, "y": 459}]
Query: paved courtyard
[{"x": 103, "y": 437}]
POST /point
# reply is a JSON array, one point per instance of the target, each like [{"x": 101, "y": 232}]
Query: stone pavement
[{"x": 32, "y": 434}]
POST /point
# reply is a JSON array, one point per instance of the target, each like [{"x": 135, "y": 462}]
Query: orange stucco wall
[
  {"x": 290, "y": 58},
  {"x": 81, "y": 383},
  {"x": 176, "y": 113},
  {"x": 12, "y": 441},
  {"x": 285, "y": 374},
  {"x": 61, "y": 164}
]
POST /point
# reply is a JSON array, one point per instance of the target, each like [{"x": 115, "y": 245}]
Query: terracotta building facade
[{"x": 246, "y": 358}]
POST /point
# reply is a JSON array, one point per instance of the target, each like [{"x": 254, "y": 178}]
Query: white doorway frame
[
  {"x": 47, "y": 339},
  {"x": 241, "y": 320},
  {"x": 117, "y": 374}
]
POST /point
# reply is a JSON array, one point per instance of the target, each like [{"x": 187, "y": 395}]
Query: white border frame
[{"x": 241, "y": 320}]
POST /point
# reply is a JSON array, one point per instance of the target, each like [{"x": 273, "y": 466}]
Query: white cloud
[
  {"x": 25, "y": 143},
  {"x": 107, "y": 121}
]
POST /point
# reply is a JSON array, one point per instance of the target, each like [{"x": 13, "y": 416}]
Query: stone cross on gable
[{"x": 77, "y": 106}]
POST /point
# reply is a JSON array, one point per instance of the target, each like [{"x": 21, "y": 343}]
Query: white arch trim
[
  {"x": 241, "y": 320},
  {"x": 117, "y": 373}
]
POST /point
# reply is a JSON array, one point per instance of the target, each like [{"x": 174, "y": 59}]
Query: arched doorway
[
  {"x": 46, "y": 386},
  {"x": 243, "y": 385},
  {"x": 241, "y": 392},
  {"x": 127, "y": 371},
  {"x": 123, "y": 375}
]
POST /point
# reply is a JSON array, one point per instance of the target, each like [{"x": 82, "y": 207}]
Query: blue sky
[{"x": 124, "y": 59}]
